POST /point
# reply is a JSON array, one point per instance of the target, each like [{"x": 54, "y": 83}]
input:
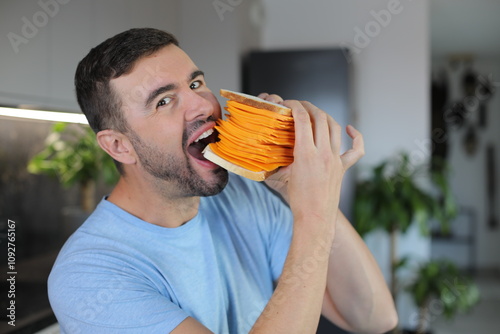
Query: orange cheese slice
[{"x": 255, "y": 139}]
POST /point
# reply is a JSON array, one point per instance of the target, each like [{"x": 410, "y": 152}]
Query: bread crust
[
  {"x": 229, "y": 166},
  {"x": 256, "y": 102}
]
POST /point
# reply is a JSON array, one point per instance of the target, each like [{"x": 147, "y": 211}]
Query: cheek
[
  {"x": 171, "y": 138},
  {"x": 165, "y": 135}
]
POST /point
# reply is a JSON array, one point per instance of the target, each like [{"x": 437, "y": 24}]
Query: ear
[{"x": 117, "y": 145}]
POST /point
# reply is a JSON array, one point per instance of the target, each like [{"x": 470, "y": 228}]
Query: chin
[{"x": 220, "y": 180}]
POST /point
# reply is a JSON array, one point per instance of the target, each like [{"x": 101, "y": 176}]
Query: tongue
[{"x": 195, "y": 150}]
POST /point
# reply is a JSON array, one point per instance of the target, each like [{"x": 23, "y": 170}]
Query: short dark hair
[{"x": 111, "y": 59}]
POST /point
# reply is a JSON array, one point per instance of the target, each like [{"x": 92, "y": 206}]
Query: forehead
[{"x": 169, "y": 65}]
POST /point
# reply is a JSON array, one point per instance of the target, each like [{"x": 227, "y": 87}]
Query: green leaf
[
  {"x": 73, "y": 156},
  {"x": 59, "y": 127},
  {"x": 441, "y": 279},
  {"x": 402, "y": 263},
  {"x": 397, "y": 200}
]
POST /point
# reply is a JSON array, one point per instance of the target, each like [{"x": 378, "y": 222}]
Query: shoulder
[
  {"x": 101, "y": 277},
  {"x": 106, "y": 240}
]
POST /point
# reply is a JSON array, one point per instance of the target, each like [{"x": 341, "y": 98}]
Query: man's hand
[{"x": 317, "y": 121}]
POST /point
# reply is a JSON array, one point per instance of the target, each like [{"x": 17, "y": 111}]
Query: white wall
[
  {"x": 391, "y": 73},
  {"x": 40, "y": 70},
  {"x": 215, "y": 36}
]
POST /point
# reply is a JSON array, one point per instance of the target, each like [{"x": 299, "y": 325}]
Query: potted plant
[
  {"x": 439, "y": 288},
  {"x": 72, "y": 155},
  {"x": 392, "y": 199}
]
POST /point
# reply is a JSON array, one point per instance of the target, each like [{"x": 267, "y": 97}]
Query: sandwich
[{"x": 255, "y": 139}]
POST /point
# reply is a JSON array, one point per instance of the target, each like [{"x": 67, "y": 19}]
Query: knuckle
[
  {"x": 301, "y": 116},
  {"x": 294, "y": 105},
  {"x": 321, "y": 116}
]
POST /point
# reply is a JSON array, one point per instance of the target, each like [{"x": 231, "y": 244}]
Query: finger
[
  {"x": 350, "y": 157},
  {"x": 335, "y": 134},
  {"x": 320, "y": 126},
  {"x": 302, "y": 123},
  {"x": 271, "y": 98},
  {"x": 358, "y": 143},
  {"x": 274, "y": 98}
]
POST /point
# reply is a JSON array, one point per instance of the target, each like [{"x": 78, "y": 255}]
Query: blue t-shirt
[{"x": 120, "y": 274}]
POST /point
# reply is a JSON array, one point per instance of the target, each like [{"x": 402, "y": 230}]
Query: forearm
[
  {"x": 356, "y": 284},
  {"x": 311, "y": 184},
  {"x": 295, "y": 306}
]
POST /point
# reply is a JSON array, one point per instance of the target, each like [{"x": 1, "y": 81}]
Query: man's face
[{"x": 169, "y": 110}]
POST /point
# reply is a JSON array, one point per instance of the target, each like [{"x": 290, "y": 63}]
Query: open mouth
[{"x": 207, "y": 137}]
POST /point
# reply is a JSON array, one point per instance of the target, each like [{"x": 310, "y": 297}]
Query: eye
[
  {"x": 164, "y": 102},
  {"x": 195, "y": 84}
]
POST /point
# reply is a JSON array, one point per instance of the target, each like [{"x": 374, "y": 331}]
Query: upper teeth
[{"x": 204, "y": 135}]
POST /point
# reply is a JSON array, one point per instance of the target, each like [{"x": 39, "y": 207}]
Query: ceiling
[{"x": 465, "y": 26}]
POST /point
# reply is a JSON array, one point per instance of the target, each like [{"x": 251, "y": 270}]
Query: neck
[{"x": 145, "y": 201}]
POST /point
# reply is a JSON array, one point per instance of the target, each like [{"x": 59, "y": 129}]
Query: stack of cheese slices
[{"x": 255, "y": 139}]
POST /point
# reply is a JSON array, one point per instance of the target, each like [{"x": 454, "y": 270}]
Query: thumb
[{"x": 352, "y": 156}]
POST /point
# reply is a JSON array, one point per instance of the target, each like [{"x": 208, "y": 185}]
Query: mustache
[{"x": 195, "y": 126}]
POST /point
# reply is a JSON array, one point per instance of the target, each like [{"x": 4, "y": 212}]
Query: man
[{"x": 173, "y": 249}]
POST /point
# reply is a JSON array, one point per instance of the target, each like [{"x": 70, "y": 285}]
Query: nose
[{"x": 198, "y": 106}]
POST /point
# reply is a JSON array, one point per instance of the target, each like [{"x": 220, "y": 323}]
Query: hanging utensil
[{"x": 491, "y": 186}]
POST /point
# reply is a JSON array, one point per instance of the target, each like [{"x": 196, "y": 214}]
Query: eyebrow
[{"x": 160, "y": 90}]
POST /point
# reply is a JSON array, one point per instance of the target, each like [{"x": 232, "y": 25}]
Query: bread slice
[
  {"x": 256, "y": 102},
  {"x": 229, "y": 166}
]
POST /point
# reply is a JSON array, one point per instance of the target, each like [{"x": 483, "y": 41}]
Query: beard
[{"x": 179, "y": 171}]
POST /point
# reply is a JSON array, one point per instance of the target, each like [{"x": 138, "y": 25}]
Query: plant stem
[
  {"x": 394, "y": 262},
  {"x": 422, "y": 317}
]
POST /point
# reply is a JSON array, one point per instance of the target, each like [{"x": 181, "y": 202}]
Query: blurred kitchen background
[{"x": 420, "y": 77}]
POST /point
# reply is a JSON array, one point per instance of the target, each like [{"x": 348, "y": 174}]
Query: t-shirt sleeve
[
  {"x": 101, "y": 295},
  {"x": 275, "y": 223},
  {"x": 280, "y": 234}
]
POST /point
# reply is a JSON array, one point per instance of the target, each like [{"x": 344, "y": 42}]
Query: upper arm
[{"x": 190, "y": 326}]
